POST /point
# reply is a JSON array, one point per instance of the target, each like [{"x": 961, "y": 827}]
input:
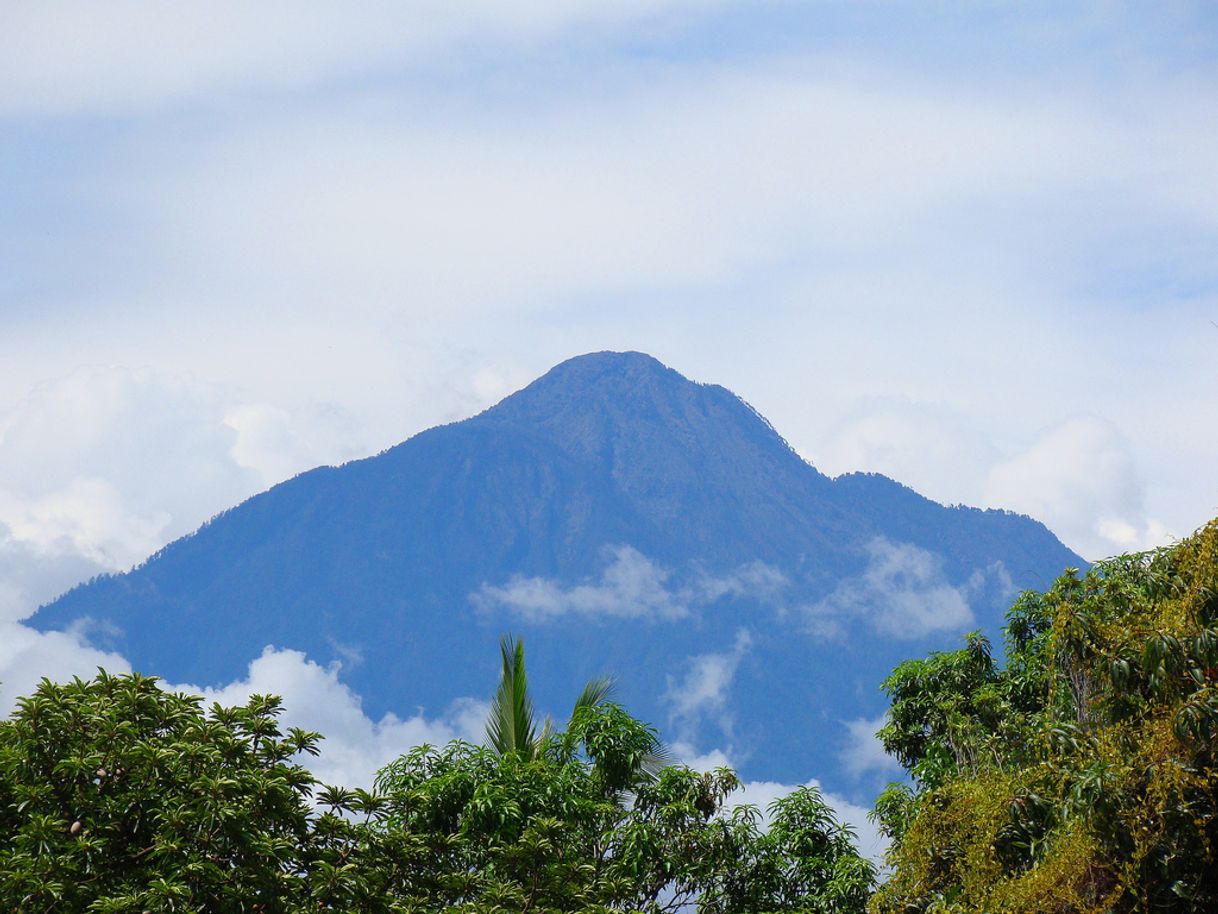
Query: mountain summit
[{"x": 623, "y": 519}]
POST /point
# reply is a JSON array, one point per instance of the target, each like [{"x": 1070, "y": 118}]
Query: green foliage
[
  {"x": 511, "y": 726},
  {"x": 117, "y": 796},
  {"x": 1083, "y": 775},
  {"x": 583, "y": 825}
]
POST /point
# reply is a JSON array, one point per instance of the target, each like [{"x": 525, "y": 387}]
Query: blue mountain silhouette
[{"x": 622, "y": 519}]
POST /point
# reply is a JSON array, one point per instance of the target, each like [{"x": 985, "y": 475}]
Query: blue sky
[{"x": 970, "y": 245}]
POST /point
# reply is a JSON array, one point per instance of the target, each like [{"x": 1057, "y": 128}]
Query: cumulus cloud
[
  {"x": 355, "y": 746},
  {"x": 314, "y": 698},
  {"x": 937, "y": 450},
  {"x": 31, "y": 574},
  {"x": 870, "y": 842},
  {"x": 1082, "y": 480},
  {"x": 863, "y": 753},
  {"x": 27, "y": 656},
  {"x": 107, "y": 463},
  {"x": 902, "y": 593},
  {"x": 702, "y": 691},
  {"x": 102, "y": 467},
  {"x": 630, "y": 586},
  {"x": 1081, "y": 477}
]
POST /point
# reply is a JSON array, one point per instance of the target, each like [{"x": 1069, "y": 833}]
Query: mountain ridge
[{"x": 609, "y": 471}]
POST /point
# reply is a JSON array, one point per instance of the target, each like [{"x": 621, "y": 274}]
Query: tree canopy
[
  {"x": 119, "y": 796},
  {"x": 1082, "y": 775},
  {"x": 582, "y": 825}
]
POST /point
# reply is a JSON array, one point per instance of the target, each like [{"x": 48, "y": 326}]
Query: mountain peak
[
  {"x": 624, "y": 377},
  {"x": 610, "y": 361},
  {"x": 630, "y": 408}
]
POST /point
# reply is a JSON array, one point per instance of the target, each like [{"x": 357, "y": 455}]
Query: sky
[{"x": 969, "y": 245}]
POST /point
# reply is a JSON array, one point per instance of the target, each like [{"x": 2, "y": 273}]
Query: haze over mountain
[{"x": 622, "y": 519}]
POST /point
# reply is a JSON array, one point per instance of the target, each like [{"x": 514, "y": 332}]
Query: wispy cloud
[
  {"x": 902, "y": 593},
  {"x": 77, "y": 57},
  {"x": 631, "y": 586},
  {"x": 702, "y": 692}
]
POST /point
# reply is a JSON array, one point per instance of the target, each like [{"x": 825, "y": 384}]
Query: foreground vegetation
[
  {"x": 116, "y": 796},
  {"x": 1082, "y": 775}
]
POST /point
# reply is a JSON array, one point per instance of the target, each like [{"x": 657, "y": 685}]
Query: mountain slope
[{"x": 622, "y": 518}]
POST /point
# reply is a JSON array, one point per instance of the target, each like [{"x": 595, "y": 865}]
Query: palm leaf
[
  {"x": 596, "y": 692},
  {"x": 511, "y": 727}
]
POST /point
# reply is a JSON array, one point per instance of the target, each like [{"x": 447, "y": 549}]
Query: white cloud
[
  {"x": 31, "y": 574},
  {"x": 1081, "y": 477},
  {"x": 939, "y": 451},
  {"x": 385, "y": 213},
  {"x": 27, "y": 656},
  {"x": 685, "y": 753},
  {"x": 355, "y": 746},
  {"x": 102, "y": 467},
  {"x": 972, "y": 216},
  {"x": 703, "y": 689},
  {"x": 902, "y": 593},
  {"x": 754, "y": 581},
  {"x": 631, "y": 586},
  {"x": 130, "y": 54},
  {"x": 1082, "y": 480},
  {"x": 278, "y": 443},
  {"x": 108, "y": 464},
  {"x": 870, "y": 842},
  {"x": 863, "y": 752}
]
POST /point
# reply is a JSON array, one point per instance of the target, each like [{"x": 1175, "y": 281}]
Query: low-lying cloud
[
  {"x": 631, "y": 586},
  {"x": 702, "y": 691},
  {"x": 903, "y": 593},
  {"x": 355, "y": 746}
]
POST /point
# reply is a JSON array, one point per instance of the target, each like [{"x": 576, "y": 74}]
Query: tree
[
  {"x": 1082, "y": 776},
  {"x": 511, "y": 725},
  {"x": 580, "y": 826},
  {"x": 118, "y": 797}
]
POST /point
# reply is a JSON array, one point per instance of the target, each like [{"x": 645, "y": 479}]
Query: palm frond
[
  {"x": 511, "y": 726},
  {"x": 596, "y": 692}
]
